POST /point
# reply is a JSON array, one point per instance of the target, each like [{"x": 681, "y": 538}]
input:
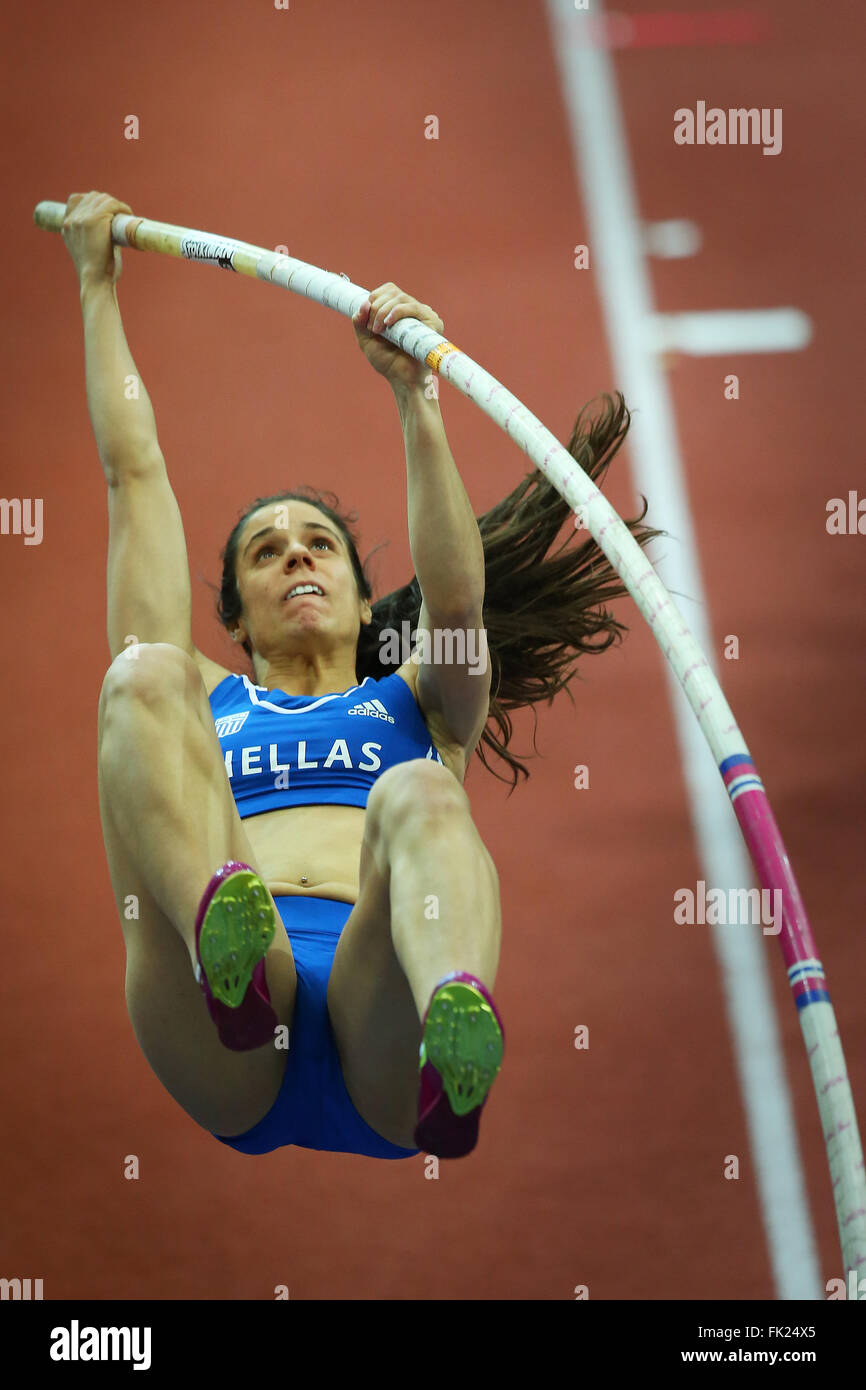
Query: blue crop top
[{"x": 302, "y": 750}]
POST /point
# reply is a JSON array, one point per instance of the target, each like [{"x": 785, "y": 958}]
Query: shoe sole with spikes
[
  {"x": 460, "y": 1057},
  {"x": 235, "y": 928}
]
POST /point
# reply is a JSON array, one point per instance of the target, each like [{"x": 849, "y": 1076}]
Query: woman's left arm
[
  {"x": 447, "y": 553},
  {"x": 446, "y": 547}
]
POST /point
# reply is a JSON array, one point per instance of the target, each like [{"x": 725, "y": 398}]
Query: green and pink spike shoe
[
  {"x": 234, "y": 927},
  {"x": 461, "y": 1054}
]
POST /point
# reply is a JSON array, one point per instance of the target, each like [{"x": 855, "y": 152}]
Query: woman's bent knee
[
  {"x": 149, "y": 671},
  {"x": 416, "y": 791}
]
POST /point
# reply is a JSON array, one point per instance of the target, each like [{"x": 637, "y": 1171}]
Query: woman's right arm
[
  {"x": 149, "y": 597},
  {"x": 148, "y": 571}
]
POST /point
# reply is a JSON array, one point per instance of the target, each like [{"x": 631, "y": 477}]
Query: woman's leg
[
  {"x": 428, "y": 904},
  {"x": 169, "y": 822}
]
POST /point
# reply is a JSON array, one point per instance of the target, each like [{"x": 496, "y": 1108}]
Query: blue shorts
[{"x": 313, "y": 1109}]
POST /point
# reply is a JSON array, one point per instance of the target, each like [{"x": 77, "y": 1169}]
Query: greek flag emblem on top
[{"x": 229, "y": 723}]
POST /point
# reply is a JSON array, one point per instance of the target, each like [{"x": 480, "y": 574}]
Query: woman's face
[{"x": 283, "y": 546}]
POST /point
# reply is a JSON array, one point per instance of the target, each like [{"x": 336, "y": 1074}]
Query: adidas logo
[{"x": 374, "y": 708}]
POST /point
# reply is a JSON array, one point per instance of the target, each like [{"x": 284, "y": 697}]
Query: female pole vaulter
[{"x": 311, "y": 919}]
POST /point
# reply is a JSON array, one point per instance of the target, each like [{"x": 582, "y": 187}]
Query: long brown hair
[{"x": 541, "y": 612}]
